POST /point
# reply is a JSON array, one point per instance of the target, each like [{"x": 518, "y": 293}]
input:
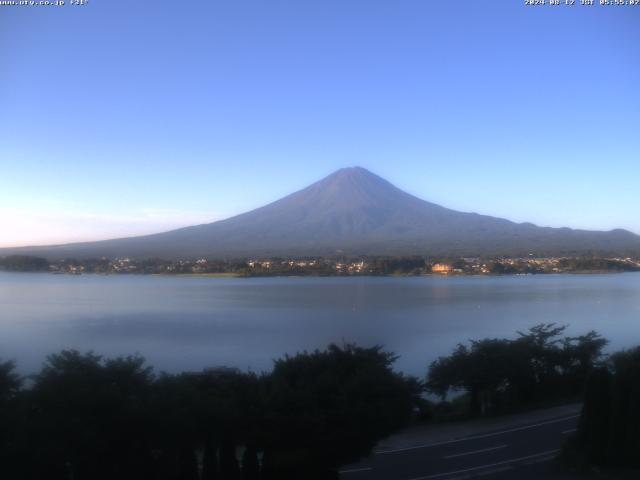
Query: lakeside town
[{"x": 326, "y": 266}]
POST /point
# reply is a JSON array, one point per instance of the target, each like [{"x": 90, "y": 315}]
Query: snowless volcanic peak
[{"x": 352, "y": 211}]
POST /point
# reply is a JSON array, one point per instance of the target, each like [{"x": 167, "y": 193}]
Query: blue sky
[{"x": 123, "y": 117}]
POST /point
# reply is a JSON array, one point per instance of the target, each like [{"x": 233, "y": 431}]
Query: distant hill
[{"x": 352, "y": 211}]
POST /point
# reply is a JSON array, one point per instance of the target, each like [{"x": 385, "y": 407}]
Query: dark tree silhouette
[
  {"x": 88, "y": 417},
  {"x": 609, "y": 429},
  {"x": 23, "y": 263},
  {"x": 10, "y": 382},
  {"x": 595, "y": 419},
  {"x": 328, "y": 408},
  {"x": 85, "y": 417},
  {"x": 499, "y": 374},
  {"x": 10, "y": 428}
]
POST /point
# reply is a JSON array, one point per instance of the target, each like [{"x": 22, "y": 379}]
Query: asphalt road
[{"x": 512, "y": 452}]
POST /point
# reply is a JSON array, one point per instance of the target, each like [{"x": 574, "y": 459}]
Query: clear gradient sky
[{"x": 127, "y": 117}]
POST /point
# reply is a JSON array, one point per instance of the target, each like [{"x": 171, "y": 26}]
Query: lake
[{"x": 187, "y": 323}]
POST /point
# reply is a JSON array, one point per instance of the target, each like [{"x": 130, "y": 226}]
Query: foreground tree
[
  {"x": 609, "y": 429},
  {"x": 329, "y": 408},
  {"x": 499, "y": 374},
  {"x": 10, "y": 383},
  {"x": 88, "y": 418}
]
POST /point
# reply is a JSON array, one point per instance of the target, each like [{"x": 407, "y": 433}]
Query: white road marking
[
  {"x": 356, "y": 470},
  {"x": 491, "y": 465},
  {"x": 476, "y": 437},
  {"x": 475, "y": 451},
  {"x": 567, "y": 432},
  {"x": 483, "y": 473}
]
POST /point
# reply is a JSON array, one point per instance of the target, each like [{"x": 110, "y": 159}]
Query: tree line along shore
[
  {"x": 83, "y": 416},
  {"x": 326, "y": 266}
]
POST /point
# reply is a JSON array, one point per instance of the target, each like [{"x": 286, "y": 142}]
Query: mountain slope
[{"x": 352, "y": 211}]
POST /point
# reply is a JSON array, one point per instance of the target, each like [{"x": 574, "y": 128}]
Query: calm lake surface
[{"x": 187, "y": 323}]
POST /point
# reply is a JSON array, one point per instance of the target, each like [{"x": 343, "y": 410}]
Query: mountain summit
[{"x": 352, "y": 211}]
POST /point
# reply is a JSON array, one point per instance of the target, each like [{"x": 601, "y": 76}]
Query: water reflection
[{"x": 189, "y": 323}]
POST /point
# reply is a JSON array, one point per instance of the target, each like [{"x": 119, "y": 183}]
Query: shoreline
[{"x": 386, "y": 275}]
